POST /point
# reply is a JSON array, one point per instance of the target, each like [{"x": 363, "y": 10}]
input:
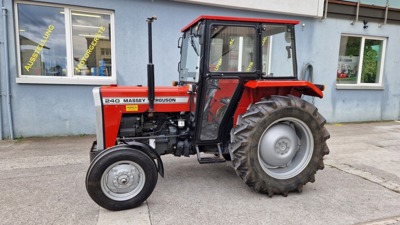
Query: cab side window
[{"x": 232, "y": 49}]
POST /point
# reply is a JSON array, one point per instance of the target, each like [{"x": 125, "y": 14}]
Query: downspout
[
  {"x": 1, "y": 95},
  {"x": 7, "y": 71}
]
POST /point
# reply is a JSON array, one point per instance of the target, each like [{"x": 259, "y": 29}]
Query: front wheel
[
  {"x": 121, "y": 178},
  {"x": 279, "y": 144}
]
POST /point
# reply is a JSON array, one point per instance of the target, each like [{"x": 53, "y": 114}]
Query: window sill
[
  {"x": 67, "y": 80},
  {"x": 359, "y": 87}
]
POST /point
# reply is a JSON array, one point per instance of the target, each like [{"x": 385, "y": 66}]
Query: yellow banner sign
[{"x": 39, "y": 48}]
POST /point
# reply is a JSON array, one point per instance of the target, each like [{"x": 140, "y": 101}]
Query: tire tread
[{"x": 240, "y": 145}]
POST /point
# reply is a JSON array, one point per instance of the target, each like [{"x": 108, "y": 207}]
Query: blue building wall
[
  {"x": 357, "y": 104},
  {"x": 42, "y": 110}
]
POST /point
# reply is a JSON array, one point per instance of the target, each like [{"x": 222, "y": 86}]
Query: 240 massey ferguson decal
[{"x": 158, "y": 100}]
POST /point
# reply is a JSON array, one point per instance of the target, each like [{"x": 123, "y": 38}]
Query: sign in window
[
  {"x": 91, "y": 44},
  {"x": 42, "y": 40}
]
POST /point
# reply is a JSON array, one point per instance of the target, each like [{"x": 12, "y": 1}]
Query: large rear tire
[
  {"x": 279, "y": 144},
  {"x": 121, "y": 178}
]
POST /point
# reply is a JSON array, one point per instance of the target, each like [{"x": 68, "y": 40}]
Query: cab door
[{"x": 231, "y": 58}]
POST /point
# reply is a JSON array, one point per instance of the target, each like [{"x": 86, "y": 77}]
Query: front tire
[
  {"x": 279, "y": 144},
  {"x": 121, "y": 178}
]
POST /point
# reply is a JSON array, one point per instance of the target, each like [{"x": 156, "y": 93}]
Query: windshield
[
  {"x": 190, "y": 58},
  {"x": 278, "y": 55}
]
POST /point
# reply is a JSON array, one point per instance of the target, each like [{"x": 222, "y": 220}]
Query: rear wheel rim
[
  {"x": 285, "y": 148},
  {"x": 123, "y": 180}
]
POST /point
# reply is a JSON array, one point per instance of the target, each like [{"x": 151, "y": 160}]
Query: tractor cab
[{"x": 219, "y": 55}]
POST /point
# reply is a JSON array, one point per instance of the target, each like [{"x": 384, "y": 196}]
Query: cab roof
[{"x": 238, "y": 19}]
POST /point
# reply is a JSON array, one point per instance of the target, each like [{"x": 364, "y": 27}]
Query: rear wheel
[
  {"x": 279, "y": 144},
  {"x": 121, "y": 178}
]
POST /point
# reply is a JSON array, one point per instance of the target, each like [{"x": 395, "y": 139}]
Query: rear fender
[
  {"x": 255, "y": 90},
  {"x": 292, "y": 87}
]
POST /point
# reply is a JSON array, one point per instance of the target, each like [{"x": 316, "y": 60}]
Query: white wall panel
[{"x": 309, "y": 8}]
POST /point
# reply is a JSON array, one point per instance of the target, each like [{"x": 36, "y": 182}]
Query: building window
[
  {"x": 64, "y": 45},
  {"x": 361, "y": 60},
  {"x": 43, "y": 50}
]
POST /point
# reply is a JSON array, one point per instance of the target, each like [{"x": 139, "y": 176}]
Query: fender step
[{"x": 217, "y": 159}]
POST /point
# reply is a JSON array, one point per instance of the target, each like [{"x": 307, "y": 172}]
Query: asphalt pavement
[{"x": 42, "y": 181}]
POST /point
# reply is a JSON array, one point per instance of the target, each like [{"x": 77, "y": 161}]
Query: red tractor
[{"x": 238, "y": 98}]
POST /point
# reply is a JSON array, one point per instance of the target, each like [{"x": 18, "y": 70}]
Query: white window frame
[
  {"x": 360, "y": 85},
  {"x": 70, "y": 78}
]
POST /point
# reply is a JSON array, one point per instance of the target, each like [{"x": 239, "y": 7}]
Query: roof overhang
[
  {"x": 308, "y": 8},
  {"x": 238, "y": 19}
]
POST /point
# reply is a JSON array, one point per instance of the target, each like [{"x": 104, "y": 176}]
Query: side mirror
[{"x": 180, "y": 42}]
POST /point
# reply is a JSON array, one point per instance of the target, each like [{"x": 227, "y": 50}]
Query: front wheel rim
[
  {"x": 123, "y": 180},
  {"x": 285, "y": 148}
]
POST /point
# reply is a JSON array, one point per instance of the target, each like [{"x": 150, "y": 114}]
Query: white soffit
[{"x": 308, "y": 8}]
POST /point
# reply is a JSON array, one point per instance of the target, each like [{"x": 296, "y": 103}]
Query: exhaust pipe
[{"x": 150, "y": 67}]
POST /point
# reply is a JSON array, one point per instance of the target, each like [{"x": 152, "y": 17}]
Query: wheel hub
[
  {"x": 123, "y": 178},
  {"x": 285, "y": 148},
  {"x": 279, "y": 145},
  {"x": 282, "y": 146}
]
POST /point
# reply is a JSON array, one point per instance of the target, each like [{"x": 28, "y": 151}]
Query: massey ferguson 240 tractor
[{"x": 238, "y": 98}]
